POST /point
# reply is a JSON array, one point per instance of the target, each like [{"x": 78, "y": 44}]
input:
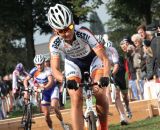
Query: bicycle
[
  {"x": 26, "y": 121},
  {"x": 90, "y": 115}
]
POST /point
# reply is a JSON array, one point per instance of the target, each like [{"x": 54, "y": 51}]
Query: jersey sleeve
[
  {"x": 32, "y": 72},
  {"x": 89, "y": 38},
  {"x": 48, "y": 71},
  {"x": 54, "y": 45},
  {"x": 115, "y": 56}
]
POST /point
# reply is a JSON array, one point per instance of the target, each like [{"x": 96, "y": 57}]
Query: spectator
[
  {"x": 157, "y": 31},
  {"x": 154, "y": 45},
  {"x": 141, "y": 30},
  {"x": 148, "y": 54},
  {"x": 138, "y": 62},
  {"x": 156, "y": 51},
  {"x": 128, "y": 48}
]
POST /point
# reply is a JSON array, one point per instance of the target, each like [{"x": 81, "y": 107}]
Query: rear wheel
[{"x": 91, "y": 121}]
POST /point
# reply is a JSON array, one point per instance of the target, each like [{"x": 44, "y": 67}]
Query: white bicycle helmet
[
  {"x": 100, "y": 39},
  {"x": 108, "y": 44},
  {"x": 47, "y": 58},
  {"x": 105, "y": 37},
  {"x": 59, "y": 16},
  {"x": 38, "y": 59}
]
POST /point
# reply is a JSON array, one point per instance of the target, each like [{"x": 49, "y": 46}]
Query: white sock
[
  {"x": 122, "y": 116},
  {"x": 62, "y": 123},
  {"x": 50, "y": 128}
]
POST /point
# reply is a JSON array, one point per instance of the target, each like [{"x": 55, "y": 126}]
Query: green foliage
[{"x": 131, "y": 12}]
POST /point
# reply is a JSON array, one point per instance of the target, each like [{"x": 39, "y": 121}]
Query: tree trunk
[{"x": 29, "y": 35}]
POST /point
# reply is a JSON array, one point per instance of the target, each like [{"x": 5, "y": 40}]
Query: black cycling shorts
[{"x": 120, "y": 80}]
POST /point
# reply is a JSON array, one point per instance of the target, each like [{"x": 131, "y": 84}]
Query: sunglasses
[{"x": 70, "y": 27}]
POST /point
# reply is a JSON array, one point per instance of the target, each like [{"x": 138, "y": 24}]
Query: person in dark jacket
[{"x": 128, "y": 48}]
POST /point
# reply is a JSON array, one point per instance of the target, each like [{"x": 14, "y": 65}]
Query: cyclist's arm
[
  {"x": 49, "y": 83},
  {"x": 115, "y": 60},
  {"x": 26, "y": 80},
  {"x": 115, "y": 69},
  {"x": 100, "y": 52},
  {"x": 14, "y": 82},
  {"x": 54, "y": 44},
  {"x": 55, "y": 65}
]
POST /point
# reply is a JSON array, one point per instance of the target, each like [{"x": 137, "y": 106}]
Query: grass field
[{"x": 147, "y": 124}]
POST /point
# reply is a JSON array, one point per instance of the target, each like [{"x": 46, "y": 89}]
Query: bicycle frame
[
  {"x": 26, "y": 121},
  {"x": 88, "y": 96}
]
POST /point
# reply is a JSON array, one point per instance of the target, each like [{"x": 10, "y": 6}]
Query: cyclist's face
[
  {"x": 66, "y": 33},
  {"x": 47, "y": 63},
  {"x": 40, "y": 67}
]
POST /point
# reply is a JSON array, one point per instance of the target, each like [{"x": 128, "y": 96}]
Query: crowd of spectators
[{"x": 141, "y": 59}]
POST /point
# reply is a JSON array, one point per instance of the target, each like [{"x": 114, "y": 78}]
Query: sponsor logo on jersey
[
  {"x": 83, "y": 36},
  {"x": 56, "y": 42},
  {"x": 71, "y": 73}
]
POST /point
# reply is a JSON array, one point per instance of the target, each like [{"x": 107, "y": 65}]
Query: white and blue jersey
[{"x": 42, "y": 78}]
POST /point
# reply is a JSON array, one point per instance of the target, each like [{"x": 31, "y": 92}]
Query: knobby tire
[{"x": 92, "y": 121}]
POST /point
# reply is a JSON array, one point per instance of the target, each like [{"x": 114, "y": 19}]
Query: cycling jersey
[
  {"x": 120, "y": 75},
  {"x": 112, "y": 55},
  {"x": 42, "y": 78},
  {"x": 17, "y": 77},
  {"x": 79, "y": 54}
]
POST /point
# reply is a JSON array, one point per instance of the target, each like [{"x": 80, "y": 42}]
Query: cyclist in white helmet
[
  {"x": 118, "y": 74},
  {"x": 80, "y": 48},
  {"x": 50, "y": 95},
  {"x": 47, "y": 61},
  {"x": 108, "y": 44}
]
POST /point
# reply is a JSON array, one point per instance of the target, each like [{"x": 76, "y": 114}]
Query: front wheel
[
  {"x": 29, "y": 118},
  {"x": 91, "y": 121}
]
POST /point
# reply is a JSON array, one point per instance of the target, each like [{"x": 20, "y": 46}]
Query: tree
[
  {"x": 133, "y": 12},
  {"x": 96, "y": 25},
  {"x": 23, "y": 17}
]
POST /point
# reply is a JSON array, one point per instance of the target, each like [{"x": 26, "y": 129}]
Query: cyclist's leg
[
  {"x": 120, "y": 108},
  {"x": 45, "y": 105},
  {"x": 72, "y": 71},
  {"x": 121, "y": 82},
  {"x": 76, "y": 108},
  {"x": 102, "y": 106},
  {"x": 56, "y": 106},
  {"x": 108, "y": 94}
]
